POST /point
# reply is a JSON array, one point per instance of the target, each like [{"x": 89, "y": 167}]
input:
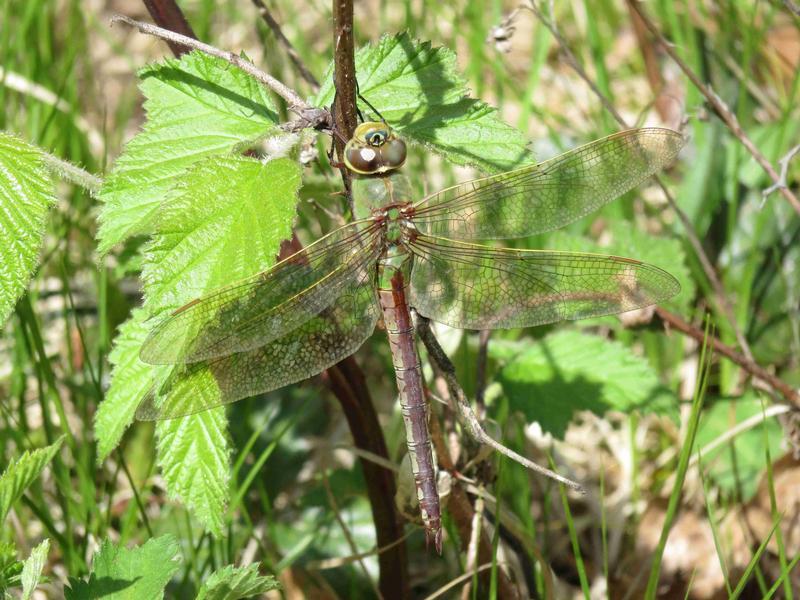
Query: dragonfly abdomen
[{"x": 393, "y": 271}]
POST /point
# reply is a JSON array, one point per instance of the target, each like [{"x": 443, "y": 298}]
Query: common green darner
[{"x": 318, "y": 306}]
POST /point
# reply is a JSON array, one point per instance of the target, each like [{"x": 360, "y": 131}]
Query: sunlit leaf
[
  {"x": 137, "y": 574},
  {"x": 198, "y": 106},
  {"x": 232, "y": 583},
  {"x": 224, "y": 221},
  {"x": 131, "y": 379},
  {"x": 26, "y": 194},
  {"x": 32, "y": 569},
  {"x": 21, "y": 473}
]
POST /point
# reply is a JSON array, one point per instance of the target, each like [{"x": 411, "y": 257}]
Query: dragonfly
[{"x": 319, "y": 305}]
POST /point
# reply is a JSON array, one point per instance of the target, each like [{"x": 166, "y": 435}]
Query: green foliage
[
  {"x": 224, "y": 220},
  {"x": 198, "y": 106},
  {"x": 420, "y": 93},
  {"x": 120, "y": 574},
  {"x": 232, "y": 583},
  {"x": 131, "y": 379},
  {"x": 21, "y": 473},
  {"x": 10, "y": 568},
  {"x": 32, "y": 569},
  {"x": 26, "y": 194},
  {"x": 735, "y": 467},
  {"x": 552, "y": 379},
  {"x": 193, "y": 454}
]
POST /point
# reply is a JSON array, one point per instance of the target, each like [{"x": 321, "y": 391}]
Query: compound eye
[{"x": 376, "y": 138}]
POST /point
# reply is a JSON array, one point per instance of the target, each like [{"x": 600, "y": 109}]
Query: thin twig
[
  {"x": 287, "y": 45},
  {"x": 468, "y": 420},
  {"x": 295, "y": 102},
  {"x": 467, "y": 576},
  {"x": 784, "y": 163},
  {"x": 722, "y": 110},
  {"x": 697, "y": 246},
  {"x": 789, "y": 393},
  {"x": 463, "y": 514}
]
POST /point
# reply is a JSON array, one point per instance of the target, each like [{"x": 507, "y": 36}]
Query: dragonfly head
[{"x": 374, "y": 148}]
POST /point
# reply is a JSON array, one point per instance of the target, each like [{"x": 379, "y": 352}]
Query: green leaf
[
  {"x": 197, "y": 106},
  {"x": 569, "y": 371},
  {"x": 131, "y": 379},
  {"x": 737, "y": 465},
  {"x": 232, "y": 583},
  {"x": 21, "y": 473},
  {"x": 225, "y": 221},
  {"x": 120, "y": 574},
  {"x": 418, "y": 90},
  {"x": 193, "y": 454},
  {"x": 26, "y": 194},
  {"x": 32, "y": 569}
]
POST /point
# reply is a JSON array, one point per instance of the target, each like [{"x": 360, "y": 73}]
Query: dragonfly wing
[
  {"x": 476, "y": 287},
  {"x": 316, "y": 344},
  {"x": 257, "y": 310},
  {"x": 549, "y": 195}
]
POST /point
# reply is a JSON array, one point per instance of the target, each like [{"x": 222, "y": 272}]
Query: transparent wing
[
  {"x": 318, "y": 343},
  {"x": 257, "y": 310},
  {"x": 476, "y": 287},
  {"x": 549, "y": 195}
]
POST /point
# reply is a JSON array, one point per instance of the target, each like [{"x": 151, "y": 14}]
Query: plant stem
[{"x": 167, "y": 14}]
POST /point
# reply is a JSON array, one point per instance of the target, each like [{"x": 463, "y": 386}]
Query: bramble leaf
[
  {"x": 198, "y": 106},
  {"x": 137, "y": 574},
  {"x": 26, "y": 194},
  {"x": 232, "y": 583},
  {"x": 22, "y": 472},
  {"x": 552, "y": 379},
  {"x": 32, "y": 569},
  {"x": 131, "y": 379}
]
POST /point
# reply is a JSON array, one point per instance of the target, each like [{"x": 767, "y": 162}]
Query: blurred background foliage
[{"x": 608, "y": 398}]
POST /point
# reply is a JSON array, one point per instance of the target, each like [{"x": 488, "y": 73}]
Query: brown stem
[
  {"x": 348, "y": 384},
  {"x": 750, "y": 366},
  {"x": 168, "y": 15},
  {"x": 720, "y": 108},
  {"x": 345, "y": 115}
]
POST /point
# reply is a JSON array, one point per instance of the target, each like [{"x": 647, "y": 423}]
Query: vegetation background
[{"x": 688, "y": 457}]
